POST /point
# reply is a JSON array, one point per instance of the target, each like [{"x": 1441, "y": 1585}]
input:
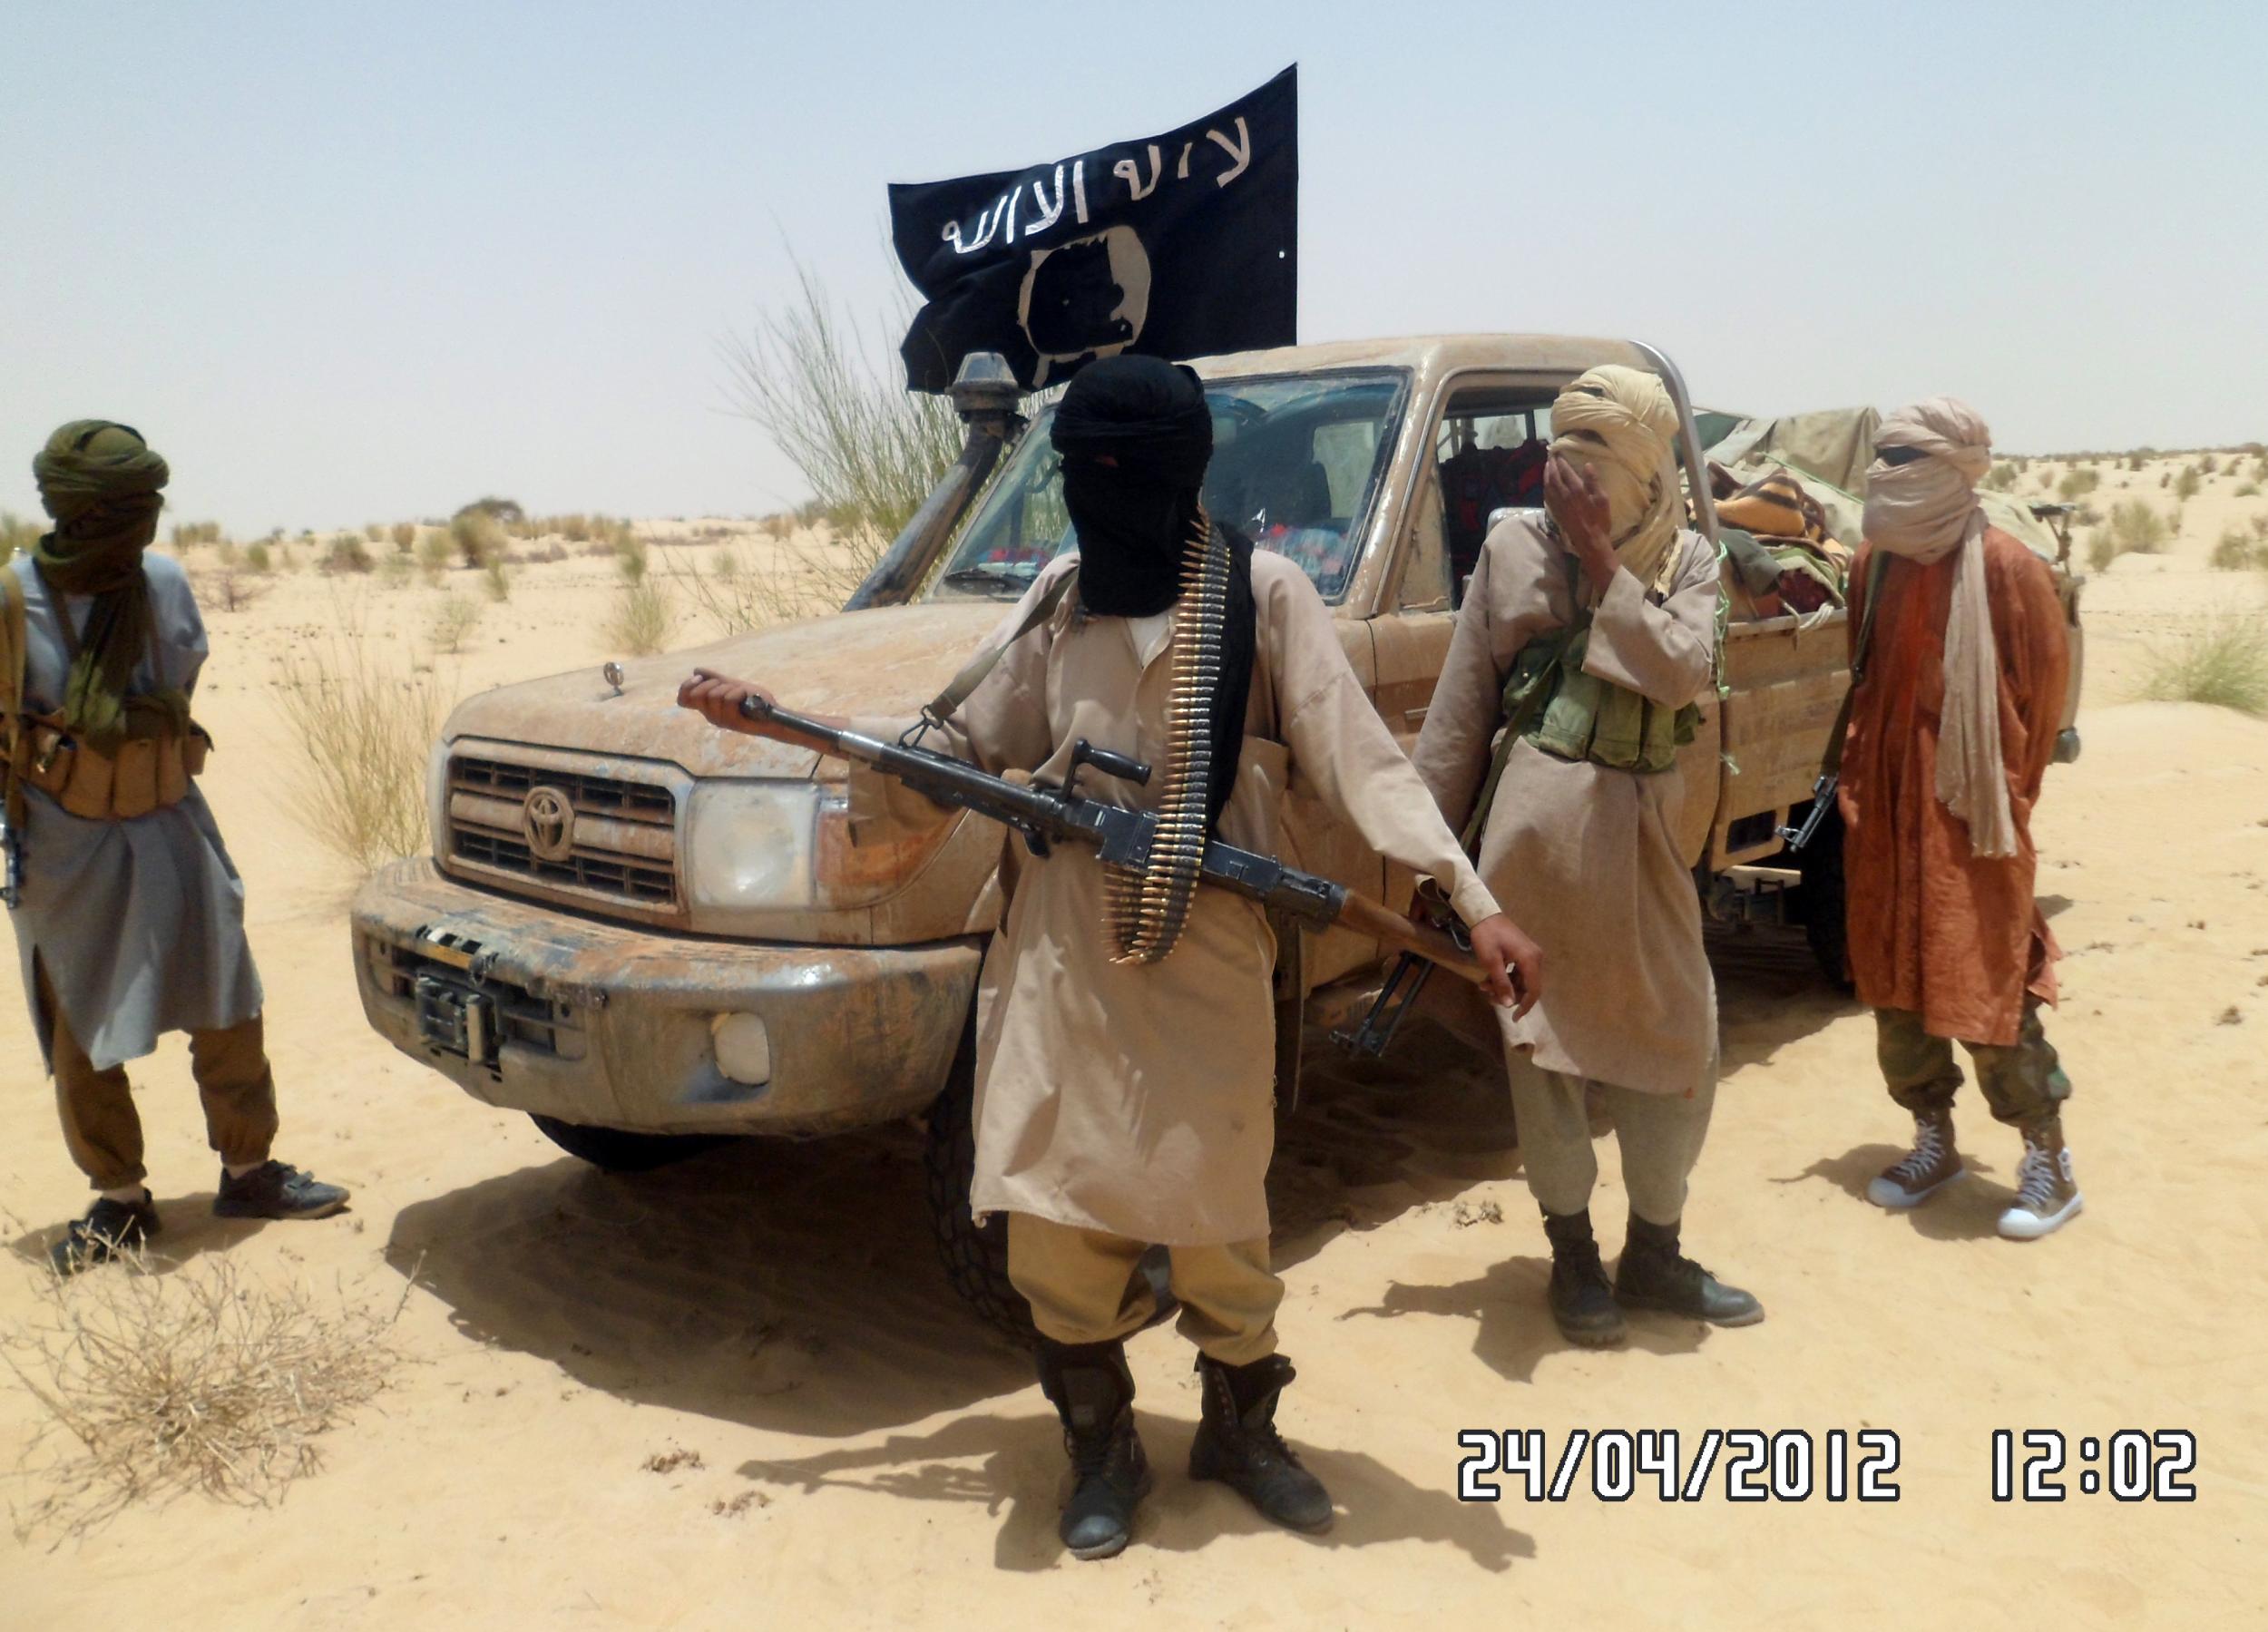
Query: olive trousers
[
  {"x": 1085, "y": 1286},
  {"x": 1660, "y": 1136},
  {"x": 101, "y": 1127},
  {"x": 2023, "y": 1082}
]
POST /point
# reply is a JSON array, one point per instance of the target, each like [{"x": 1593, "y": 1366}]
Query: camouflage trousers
[{"x": 2023, "y": 1082}]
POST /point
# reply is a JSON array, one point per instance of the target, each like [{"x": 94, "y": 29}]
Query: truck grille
[{"x": 623, "y": 842}]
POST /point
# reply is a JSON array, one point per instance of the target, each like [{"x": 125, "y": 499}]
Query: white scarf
[{"x": 1923, "y": 511}]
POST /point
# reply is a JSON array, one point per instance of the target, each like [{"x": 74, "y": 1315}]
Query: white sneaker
[
  {"x": 2047, "y": 1194},
  {"x": 1922, "y": 1171}
]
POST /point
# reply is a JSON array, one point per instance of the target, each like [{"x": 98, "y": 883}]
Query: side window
[{"x": 1488, "y": 455}]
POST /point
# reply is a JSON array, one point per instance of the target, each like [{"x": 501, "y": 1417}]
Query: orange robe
[{"x": 1934, "y": 930}]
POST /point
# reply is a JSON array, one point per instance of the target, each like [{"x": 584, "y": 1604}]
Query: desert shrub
[
  {"x": 629, "y": 558},
  {"x": 363, "y": 733},
  {"x": 394, "y": 570},
  {"x": 187, "y": 535},
  {"x": 642, "y": 619},
  {"x": 2133, "y": 461},
  {"x": 777, "y": 527},
  {"x": 2078, "y": 482},
  {"x": 500, "y": 510},
  {"x": 228, "y": 587},
  {"x": 737, "y": 597},
  {"x": 496, "y": 577},
  {"x": 257, "y": 558},
  {"x": 554, "y": 551},
  {"x": 2248, "y": 490},
  {"x": 2235, "y": 550},
  {"x": 454, "y": 622},
  {"x": 870, "y": 449},
  {"x": 153, "y": 1380},
  {"x": 2224, "y": 664},
  {"x": 405, "y": 536},
  {"x": 477, "y": 535},
  {"x": 2136, "y": 525},
  {"x": 433, "y": 556},
  {"x": 2001, "y": 478},
  {"x": 2207, "y": 465},
  {"x": 347, "y": 553},
  {"x": 2186, "y": 484}
]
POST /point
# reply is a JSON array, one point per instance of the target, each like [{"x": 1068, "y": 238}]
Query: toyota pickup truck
[{"x": 647, "y": 934}]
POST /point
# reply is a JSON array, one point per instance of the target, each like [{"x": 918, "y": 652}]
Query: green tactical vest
[{"x": 1550, "y": 701}]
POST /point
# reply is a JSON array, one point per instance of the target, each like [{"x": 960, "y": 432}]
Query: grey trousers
[{"x": 1660, "y": 1136}]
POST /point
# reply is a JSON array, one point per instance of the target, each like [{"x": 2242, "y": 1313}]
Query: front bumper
[{"x": 617, "y": 1027}]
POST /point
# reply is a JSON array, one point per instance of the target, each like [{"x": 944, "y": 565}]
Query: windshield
[{"x": 1297, "y": 464}]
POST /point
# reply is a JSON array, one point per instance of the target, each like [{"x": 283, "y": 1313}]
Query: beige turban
[
  {"x": 1923, "y": 510},
  {"x": 1618, "y": 423}
]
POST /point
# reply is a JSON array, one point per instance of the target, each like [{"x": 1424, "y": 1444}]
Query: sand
[{"x": 860, "y": 1451}]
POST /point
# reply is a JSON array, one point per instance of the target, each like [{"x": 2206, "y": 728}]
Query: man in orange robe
[{"x": 1952, "y": 727}]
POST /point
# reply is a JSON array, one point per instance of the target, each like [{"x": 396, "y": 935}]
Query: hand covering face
[
  {"x": 1923, "y": 510},
  {"x": 101, "y": 480},
  {"x": 1619, "y": 424},
  {"x": 1135, "y": 516}
]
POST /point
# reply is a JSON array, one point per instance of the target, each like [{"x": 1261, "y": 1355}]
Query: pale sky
[{"x": 352, "y": 263}]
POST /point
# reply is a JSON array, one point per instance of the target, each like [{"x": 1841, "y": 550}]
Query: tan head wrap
[
  {"x": 1923, "y": 510},
  {"x": 1618, "y": 423}
]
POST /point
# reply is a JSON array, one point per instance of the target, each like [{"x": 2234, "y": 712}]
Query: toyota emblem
[{"x": 547, "y": 822}]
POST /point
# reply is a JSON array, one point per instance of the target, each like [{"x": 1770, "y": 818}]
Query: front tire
[
  {"x": 976, "y": 1256},
  {"x": 619, "y": 1150}
]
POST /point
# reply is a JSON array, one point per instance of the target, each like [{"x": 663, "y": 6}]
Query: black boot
[
  {"x": 1654, "y": 1275},
  {"x": 1091, "y": 1389},
  {"x": 1581, "y": 1301},
  {"x": 1237, "y": 1443}
]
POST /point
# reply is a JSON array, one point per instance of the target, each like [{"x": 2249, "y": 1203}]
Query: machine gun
[{"x": 1048, "y": 814}]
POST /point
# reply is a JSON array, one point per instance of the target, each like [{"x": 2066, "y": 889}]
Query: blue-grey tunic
[{"x": 140, "y": 923}]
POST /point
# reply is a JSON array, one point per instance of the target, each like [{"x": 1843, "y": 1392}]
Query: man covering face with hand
[{"x": 1580, "y": 649}]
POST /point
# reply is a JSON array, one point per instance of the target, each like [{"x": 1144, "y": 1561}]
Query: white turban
[
  {"x": 1923, "y": 510},
  {"x": 1618, "y": 423}
]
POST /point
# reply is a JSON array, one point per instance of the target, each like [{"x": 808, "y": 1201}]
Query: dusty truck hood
[{"x": 889, "y": 660}]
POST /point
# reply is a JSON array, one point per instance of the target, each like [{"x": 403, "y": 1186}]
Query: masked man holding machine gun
[
  {"x": 1581, "y": 646},
  {"x": 1124, "y": 1052}
]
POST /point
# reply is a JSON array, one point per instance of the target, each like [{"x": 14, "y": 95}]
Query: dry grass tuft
[
  {"x": 479, "y": 536},
  {"x": 197, "y": 1378},
  {"x": 2225, "y": 664},
  {"x": 453, "y": 624},
  {"x": 405, "y": 536},
  {"x": 496, "y": 577},
  {"x": 642, "y": 618},
  {"x": 363, "y": 733},
  {"x": 433, "y": 556}
]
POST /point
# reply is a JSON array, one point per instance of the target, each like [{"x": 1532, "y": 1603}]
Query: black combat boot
[
  {"x": 1237, "y": 1443},
  {"x": 1582, "y": 1303},
  {"x": 1654, "y": 1275},
  {"x": 1093, "y": 1392}
]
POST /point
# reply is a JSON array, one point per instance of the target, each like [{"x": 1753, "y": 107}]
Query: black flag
[{"x": 1180, "y": 246}]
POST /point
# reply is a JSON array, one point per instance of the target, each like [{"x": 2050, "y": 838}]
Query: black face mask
[{"x": 1132, "y": 532}]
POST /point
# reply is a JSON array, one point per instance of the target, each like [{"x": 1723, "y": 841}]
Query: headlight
[{"x": 749, "y": 844}]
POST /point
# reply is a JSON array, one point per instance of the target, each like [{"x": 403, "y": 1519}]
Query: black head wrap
[{"x": 1135, "y": 515}]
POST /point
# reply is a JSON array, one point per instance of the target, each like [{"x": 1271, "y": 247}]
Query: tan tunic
[
  {"x": 1139, "y": 1100},
  {"x": 1585, "y": 859}
]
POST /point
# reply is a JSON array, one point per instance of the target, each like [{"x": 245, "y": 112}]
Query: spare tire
[{"x": 619, "y": 1150}]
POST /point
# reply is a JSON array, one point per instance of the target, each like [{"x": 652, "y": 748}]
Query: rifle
[{"x": 1047, "y": 813}]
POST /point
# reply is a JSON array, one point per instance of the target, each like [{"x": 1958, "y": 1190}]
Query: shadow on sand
[
  {"x": 1014, "y": 1468},
  {"x": 186, "y": 1230},
  {"x": 1968, "y": 1209}
]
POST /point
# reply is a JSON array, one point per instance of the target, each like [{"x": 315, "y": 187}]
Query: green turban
[{"x": 101, "y": 483}]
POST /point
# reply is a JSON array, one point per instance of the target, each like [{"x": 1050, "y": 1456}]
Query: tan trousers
[
  {"x": 1660, "y": 1136},
  {"x": 1083, "y": 1287},
  {"x": 99, "y": 1122}
]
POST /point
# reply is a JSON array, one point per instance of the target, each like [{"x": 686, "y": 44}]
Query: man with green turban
[{"x": 128, "y": 925}]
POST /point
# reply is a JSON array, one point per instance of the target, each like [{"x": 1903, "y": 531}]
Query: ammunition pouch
[{"x": 145, "y": 773}]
